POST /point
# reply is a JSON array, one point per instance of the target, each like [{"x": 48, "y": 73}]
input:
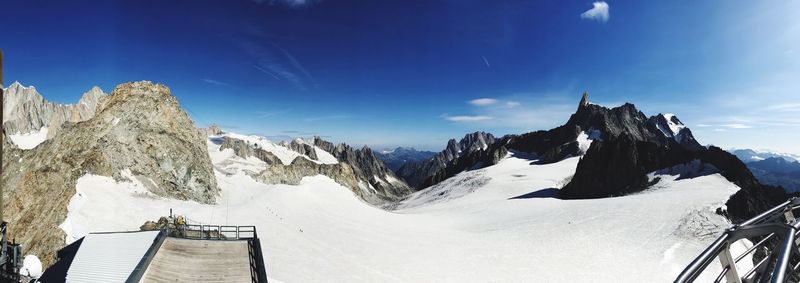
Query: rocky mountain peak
[
  {"x": 213, "y": 130},
  {"x": 138, "y": 133},
  {"x": 584, "y": 100},
  {"x": 424, "y": 173},
  {"x": 27, "y": 111}
]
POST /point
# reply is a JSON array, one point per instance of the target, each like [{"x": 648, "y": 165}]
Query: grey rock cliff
[
  {"x": 140, "y": 127},
  {"x": 357, "y": 169},
  {"x": 27, "y": 111}
]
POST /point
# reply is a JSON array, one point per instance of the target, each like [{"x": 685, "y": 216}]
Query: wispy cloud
[
  {"x": 483, "y": 101},
  {"x": 784, "y": 107},
  {"x": 265, "y": 114},
  {"x": 215, "y": 82},
  {"x": 599, "y": 12},
  {"x": 512, "y": 104},
  {"x": 329, "y": 117},
  {"x": 466, "y": 118},
  {"x": 486, "y": 62},
  {"x": 736, "y": 126},
  {"x": 271, "y": 59},
  {"x": 718, "y": 127},
  {"x": 289, "y": 3}
]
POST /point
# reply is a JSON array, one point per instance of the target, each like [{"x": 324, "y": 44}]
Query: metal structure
[
  {"x": 775, "y": 254},
  {"x": 10, "y": 253},
  {"x": 218, "y": 232}
]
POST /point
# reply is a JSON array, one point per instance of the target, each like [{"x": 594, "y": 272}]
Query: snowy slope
[
  {"x": 29, "y": 140},
  {"x": 467, "y": 229},
  {"x": 285, "y": 154}
]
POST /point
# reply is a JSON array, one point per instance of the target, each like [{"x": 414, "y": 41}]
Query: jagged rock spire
[{"x": 584, "y": 100}]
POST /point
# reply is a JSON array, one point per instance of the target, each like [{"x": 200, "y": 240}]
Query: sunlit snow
[
  {"x": 29, "y": 140},
  {"x": 490, "y": 224}
]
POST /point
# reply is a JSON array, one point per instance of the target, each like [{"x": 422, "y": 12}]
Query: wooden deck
[{"x": 186, "y": 260}]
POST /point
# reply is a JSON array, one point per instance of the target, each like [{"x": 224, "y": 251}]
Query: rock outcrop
[
  {"x": 357, "y": 169},
  {"x": 27, "y": 111},
  {"x": 139, "y": 127},
  {"x": 300, "y": 146}
]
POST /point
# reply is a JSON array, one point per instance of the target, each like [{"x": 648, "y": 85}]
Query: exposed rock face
[
  {"x": 244, "y": 149},
  {"x": 140, "y": 127},
  {"x": 212, "y": 130},
  {"x": 632, "y": 147},
  {"x": 301, "y": 147},
  {"x": 673, "y": 128},
  {"x": 27, "y": 111},
  {"x": 423, "y": 174},
  {"x": 360, "y": 170},
  {"x": 618, "y": 166}
]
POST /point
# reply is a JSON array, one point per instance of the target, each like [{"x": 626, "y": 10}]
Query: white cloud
[
  {"x": 784, "y": 107},
  {"x": 598, "y": 13},
  {"x": 737, "y": 126},
  {"x": 512, "y": 104},
  {"x": 483, "y": 101},
  {"x": 466, "y": 118},
  {"x": 719, "y": 127},
  {"x": 215, "y": 82}
]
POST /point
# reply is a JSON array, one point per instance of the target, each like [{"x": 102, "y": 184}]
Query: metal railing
[
  {"x": 775, "y": 233},
  {"x": 218, "y": 232}
]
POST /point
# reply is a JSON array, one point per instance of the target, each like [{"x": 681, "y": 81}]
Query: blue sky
[{"x": 416, "y": 73}]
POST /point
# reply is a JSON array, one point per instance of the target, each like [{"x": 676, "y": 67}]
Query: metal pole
[
  {"x": 2, "y": 131},
  {"x": 782, "y": 265}
]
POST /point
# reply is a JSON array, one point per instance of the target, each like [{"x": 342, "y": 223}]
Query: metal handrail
[
  {"x": 777, "y": 222},
  {"x": 223, "y": 232}
]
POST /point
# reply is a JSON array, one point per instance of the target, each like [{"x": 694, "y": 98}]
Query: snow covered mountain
[
  {"x": 481, "y": 225},
  {"x": 524, "y": 207},
  {"x": 288, "y": 163},
  {"x": 772, "y": 168},
  {"x": 672, "y": 127},
  {"x": 751, "y": 155},
  {"x": 777, "y": 171}
]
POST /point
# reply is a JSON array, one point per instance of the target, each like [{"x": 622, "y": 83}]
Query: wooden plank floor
[{"x": 185, "y": 260}]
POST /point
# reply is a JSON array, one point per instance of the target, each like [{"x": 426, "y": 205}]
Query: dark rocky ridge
[
  {"x": 627, "y": 146},
  {"x": 456, "y": 157},
  {"x": 631, "y": 148}
]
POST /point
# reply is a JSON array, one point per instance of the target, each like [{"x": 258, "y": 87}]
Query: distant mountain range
[
  {"x": 400, "y": 156},
  {"x": 140, "y": 133},
  {"x": 777, "y": 169},
  {"x": 750, "y": 155}
]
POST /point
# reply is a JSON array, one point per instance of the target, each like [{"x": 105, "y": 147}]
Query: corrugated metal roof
[{"x": 109, "y": 257}]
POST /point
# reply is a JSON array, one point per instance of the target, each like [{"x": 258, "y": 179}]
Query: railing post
[{"x": 726, "y": 259}]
